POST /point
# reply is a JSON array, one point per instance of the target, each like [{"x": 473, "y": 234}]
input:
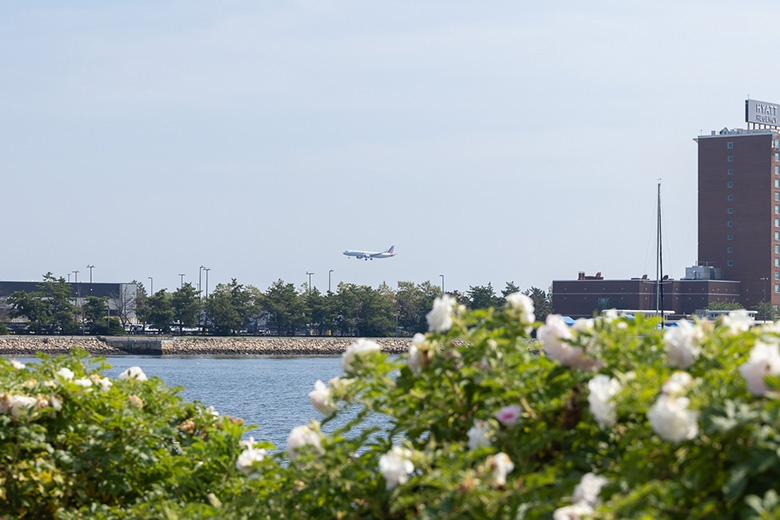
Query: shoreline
[{"x": 280, "y": 346}]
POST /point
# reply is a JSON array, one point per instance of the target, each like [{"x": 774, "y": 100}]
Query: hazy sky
[{"x": 488, "y": 141}]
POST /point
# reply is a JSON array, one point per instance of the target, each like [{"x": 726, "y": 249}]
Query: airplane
[{"x": 370, "y": 255}]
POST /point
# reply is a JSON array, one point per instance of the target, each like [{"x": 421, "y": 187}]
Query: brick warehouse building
[{"x": 738, "y": 230}]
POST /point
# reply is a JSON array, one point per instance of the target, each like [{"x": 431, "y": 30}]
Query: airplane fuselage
[{"x": 369, "y": 255}]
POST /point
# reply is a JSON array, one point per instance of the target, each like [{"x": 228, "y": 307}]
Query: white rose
[
  {"x": 524, "y": 304},
  {"x": 133, "y": 373},
  {"x": 65, "y": 373},
  {"x": 358, "y": 348},
  {"x": 678, "y": 383},
  {"x": 250, "y": 457},
  {"x": 552, "y": 335},
  {"x": 764, "y": 361},
  {"x": 501, "y": 465},
  {"x": 682, "y": 344},
  {"x": 573, "y": 512},
  {"x": 303, "y": 436},
  {"x": 16, "y": 404},
  {"x": 587, "y": 491},
  {"x": 103, "y": 382},
  {"x": 738, "y": 321},
  {"x": 602, "y": 391},
  {"x": 395, "y": 466},
  {"x": 671, "y": 419},
  {"x": 440, "y": 317},
  {"x": 321, "y": 399},
  {"x": 479, "y": 434}
]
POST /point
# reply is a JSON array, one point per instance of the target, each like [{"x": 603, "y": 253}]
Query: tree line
[{"x": 235, "y": 309}]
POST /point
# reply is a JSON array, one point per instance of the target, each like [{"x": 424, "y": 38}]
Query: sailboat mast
[{"x": 659, "y": 272}]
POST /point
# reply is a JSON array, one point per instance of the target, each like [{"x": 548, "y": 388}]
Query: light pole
[
  {"x": 90, "y": 267},
  {"x": 329, "y": 273},
  {"x": 764, "y": 280},
  {"x": 442, "y": 284},
  {"x": 207, "y": 269},
  {"x": 151, "y": 286},
  {"x": 181, "y": 280},
  {"x": 78, "y": 297},
  {"x": 309, "y": 274},
  {"x": 200, "y": 270}
]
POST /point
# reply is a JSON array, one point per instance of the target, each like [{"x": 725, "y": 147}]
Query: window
[
  {"x": 777, "y": 288},
  {"x": 730, "y": 171},
  {"x": 777, "y": 235},
  {"x": 730, "y": 158},
  {"x": 777, "y": 275},
  {"x": 731, "y": 250},
  {"x": 729, "y": 197},
  {"x": 730, "y": 237},
  {"x": 777, "y": 183},
  {"x": 777, "y": 222},
  {"x": 730, "y": 263},
  {"x": 777, "y": 249},
  {"x": 777, "y": 170},
  {"x": 777, "y": 156},
  {"x": 730, "y": 184},
  {"x": 777, "y": 262},
  {"x": 777, "y": 210},
  {"x": 777, "y": 195},
  {"x": 777, "y": 143},
  {"x": 730, "y": 145},
  {"x": 730, "y": 223},
  {"x": 731, "y": 210}
]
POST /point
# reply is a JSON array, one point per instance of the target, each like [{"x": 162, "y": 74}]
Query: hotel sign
[{"x": 762, "y": 113}]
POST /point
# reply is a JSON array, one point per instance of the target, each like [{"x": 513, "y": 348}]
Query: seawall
[{"x": 189, "y": 346}]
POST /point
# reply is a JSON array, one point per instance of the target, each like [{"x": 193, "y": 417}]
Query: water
[{"x": 272, "y": 393}]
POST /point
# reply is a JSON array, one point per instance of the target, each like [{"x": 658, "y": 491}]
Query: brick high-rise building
[{"x": 739, "y": 209}]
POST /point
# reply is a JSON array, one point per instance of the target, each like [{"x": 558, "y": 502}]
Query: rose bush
[{"x": 610, "y": 418}]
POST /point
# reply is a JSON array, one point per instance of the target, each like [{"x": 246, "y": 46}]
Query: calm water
[{"x": 272, "y": 393}]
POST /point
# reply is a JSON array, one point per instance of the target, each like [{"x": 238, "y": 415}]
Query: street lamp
[
  {"x": 90, "y": 267},
  {"x": 442, "y": 284},
  {"x": 764, "y": 279},
  {"x": 151, "y": 286},
  {"x": 181, "y": 280},
  {"x": 309, "y": 274},
  {"x": 329, "y": 273}
]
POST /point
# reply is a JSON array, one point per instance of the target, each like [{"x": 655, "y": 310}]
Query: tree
[
  {"x": 161, "y": 311},
  {"x": 49, "y": 309},
  {"x": 724, "y": 306},
  {"x": 283, "y": 307},
  {"x": 542, "y": 303},
  {"x": 765, "y": 311},
  {"x": 510, "y": 288},
  {"x": 228, "y": 308},
  {"x": 482, "y": 297},
  {"x": 141, "y": 303},
  {"x": 96, "y": 314},
  {"x": 186, "y": 306}
]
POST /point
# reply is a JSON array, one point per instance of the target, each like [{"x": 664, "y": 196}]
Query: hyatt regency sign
[{"x": 762, "y": 113}]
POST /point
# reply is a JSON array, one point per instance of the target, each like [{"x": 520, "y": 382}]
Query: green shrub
[
  {"x": 3, "y": 330},
  {"x": 613, "y": 417}
]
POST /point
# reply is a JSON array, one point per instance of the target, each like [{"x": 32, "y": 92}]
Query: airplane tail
[{"x": 392, "y": 248}]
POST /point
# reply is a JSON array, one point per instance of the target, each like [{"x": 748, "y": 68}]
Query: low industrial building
[{"x": 589, "y": 295}]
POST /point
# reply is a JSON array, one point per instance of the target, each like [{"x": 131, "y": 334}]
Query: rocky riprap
[{"x": 190, "y": 346}]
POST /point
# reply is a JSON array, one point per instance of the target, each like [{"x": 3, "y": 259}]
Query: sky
[{"x": 490, "y": 142}]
